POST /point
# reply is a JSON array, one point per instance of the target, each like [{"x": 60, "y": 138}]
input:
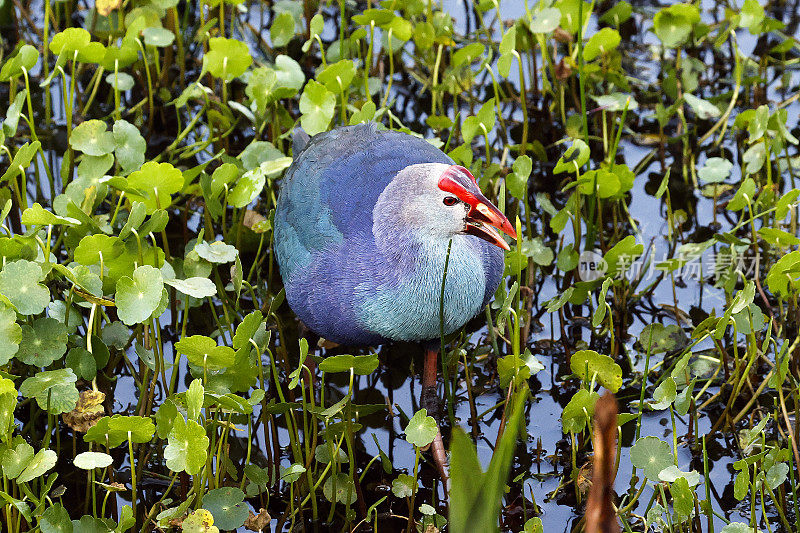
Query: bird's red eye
[{"x": 450, "y": 200}]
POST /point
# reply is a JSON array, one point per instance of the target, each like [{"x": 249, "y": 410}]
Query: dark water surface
[{"x": 545, "y": 452}]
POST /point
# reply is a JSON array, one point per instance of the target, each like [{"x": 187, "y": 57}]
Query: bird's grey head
[{"x": 429, "y": 203}]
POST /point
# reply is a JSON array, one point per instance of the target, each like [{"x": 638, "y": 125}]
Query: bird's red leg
[{"x": 429, "y": 401}]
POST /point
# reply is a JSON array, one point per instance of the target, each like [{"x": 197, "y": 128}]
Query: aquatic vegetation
[{"x": 153, "y": 377}]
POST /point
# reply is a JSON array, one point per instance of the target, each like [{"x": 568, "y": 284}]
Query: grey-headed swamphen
[{"x": 362, "y": 228}]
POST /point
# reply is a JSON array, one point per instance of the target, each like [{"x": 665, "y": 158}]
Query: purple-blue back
[{"x": 336, "y": 279}]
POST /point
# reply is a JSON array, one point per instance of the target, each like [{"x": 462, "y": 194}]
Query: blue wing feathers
[{"x": 336, "y": 280}]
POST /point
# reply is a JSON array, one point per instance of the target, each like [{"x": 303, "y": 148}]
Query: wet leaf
[
  {"x": 157, "y": 36},
  {"x": 403, "y": 486},
  {"x": 664, "y": 395},
  {"x": 281, "y": 32},
  {"x": 574, "y": 157},
  {"x": 602, "y": 42},
  {"x": 19, "y": 282},
  {"x": 652, "y": 455},
  {"x": 360, "y": 364},
  {"x": 216, "y": 252},
  {"x": 92, "y": 138},
  {"x": 317, "y": 105},
  {"x": 703, "y": 109},
  {"x": 715, "y": 170},
  {"x": 421, "y": 429},
  {"x": 673, "y": 24},
  {"x": 91, "y": 460},
  {"x": 42, "y": 342},
  {"x": 578, "y": 411},
  {"x": 158, "y": 182},
  {"x": 26, "y": 58},
  {"x": 187, "y": 447},
  {"x": 672, "y": 473},
  {"x": 129, "y": 146},
  {"x": 10, "y": 336},
  {"x": 195, "y": 287},
  {"x": 336, "y": 77},
  {"x": 138, "y": 297},
  {"x": 55, "y": 519},
  {"x": 203, "y": 351},
  {"x": 227, "y": 506},
  {"x": 292, "y": 473},
  {"x": 227, "y": 58},
  {"x": 340, "y": 488},
  {"x": 199, "y": 521},
  {"x": 600, "y": 367}
]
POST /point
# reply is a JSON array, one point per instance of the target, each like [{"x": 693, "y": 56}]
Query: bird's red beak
[{"x": 483, "y": 217}]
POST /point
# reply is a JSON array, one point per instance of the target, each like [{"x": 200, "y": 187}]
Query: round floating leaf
[
  {"x": 517, "y": 181},
  {"x": 187, "y": 447},
  {"x": 247, "y": 188},
  {"x": 122, "y": 81},
  {"x": 651, "y": 455},
  {"x": 92, "y": 247},
  {"x": 600, "y": 367},
  {"x": 616, "y": 102},
  {"x": 421, "y": 429},
  {"x": 575, "y": 156},
  {"x": 317, "y": 104},
  {"x": 704, "y": 109},
  {"x": 36, "y": 215},
  {"x": 19, "y": 282},
  {"x": 664, "y": 395},
  {"x": 281, "y": 32},
  {"x": 138, "y": 297},
  {"x": 227, "y": 58},
  {"x": 10, "y": 336},
  {"x": 289, "y": 74},
  {"x": 360, "y": 364},
  {"x": 545, "y": 20},
  {"x": 158, "y": 181},
  {"x": 602, "y": 42},
  {"x": 129, "y": 146},
  {"x": 92, "y": 138},
  {"x": 56, "y": 385},
  {"x": 14, "y": 460},
  {"x": 403, "y": 486},
  {"x": 578, "y": 411},
  {"x": 292, "y": 473},
  {"x": 55, "y": 519},
  {"x": 671, "y": 474},
  {"x": 716, "y": 170},
  {"x": 75, "y": 43},
  {"x": 203, "y": 351},
  {"x": 42, "y": 342},
  {"x": 80, "y": 360},
  {"x": 738, "y": 527},
  {"x": 228, "y": 507},
  {"x": 157, "y": 36},
  {"x": 337, "y": 76},
  {"x": 25, "y": 59},
  {"x": 340, "y": 488},
  {"x": 91, "y": 460},
  {"x": 673, "y": 24},
  {"x": 216, "y": 252},
  {"x": 199, "y": 521},
  {"x": 196, "y": 287}
]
